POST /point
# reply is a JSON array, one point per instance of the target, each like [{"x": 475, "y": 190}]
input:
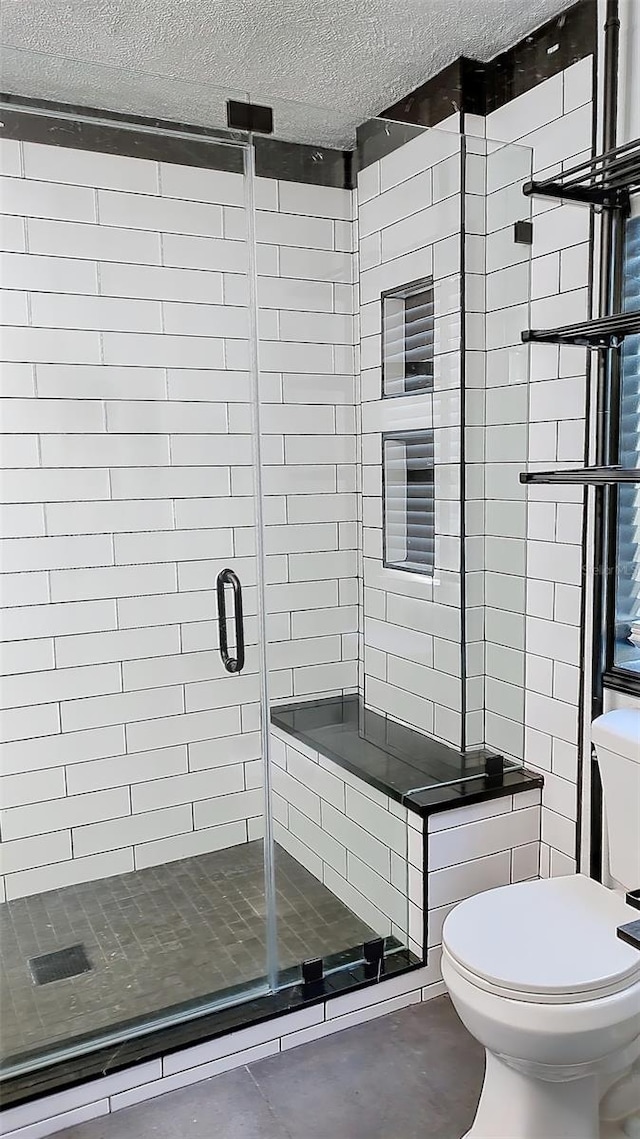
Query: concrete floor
[{"x": 413, "y": 1074}]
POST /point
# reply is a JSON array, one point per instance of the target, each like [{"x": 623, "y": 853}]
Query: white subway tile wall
[
  {"x": 127, "y": 485},
  {"x": 555, "y": 119},
  {"x": 496, "y": 440},
  {"x": 88, "y": 380},
  {"x": 409, "y": 224},
  {"x": 308, "y": 424}
]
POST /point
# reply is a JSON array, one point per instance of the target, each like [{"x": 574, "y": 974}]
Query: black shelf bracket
[
  {"x": 588, "y": 196},
  {"x": 604, "y": 332},
  {"x": 605, "y": 181},
  {"x": 584, "y": 476}
]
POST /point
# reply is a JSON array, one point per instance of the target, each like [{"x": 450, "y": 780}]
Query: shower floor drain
[{"x": 59, "y": 965}]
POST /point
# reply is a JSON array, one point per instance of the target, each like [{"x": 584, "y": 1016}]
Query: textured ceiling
[{"x": 343, "y": 60}]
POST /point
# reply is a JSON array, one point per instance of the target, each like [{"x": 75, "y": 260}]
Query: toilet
[{"x": 537, "y": 974}]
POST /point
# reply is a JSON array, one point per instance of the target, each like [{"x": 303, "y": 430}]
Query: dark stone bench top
[{"x": 415, "y": 770}]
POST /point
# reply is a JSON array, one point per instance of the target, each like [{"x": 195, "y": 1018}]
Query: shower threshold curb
[{"x": 352, "y": 974}]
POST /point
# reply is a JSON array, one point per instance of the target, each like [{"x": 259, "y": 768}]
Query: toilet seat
[{"x": 550, "y": 941}]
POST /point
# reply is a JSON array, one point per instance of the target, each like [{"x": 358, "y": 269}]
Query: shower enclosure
[
  {"x": 171, "y": 519},
  {"x": 193, "y": 538}
]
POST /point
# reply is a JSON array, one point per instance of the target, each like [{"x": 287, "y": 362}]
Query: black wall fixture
[
  {"x": 249, "y": 117},
  {"x": 523, "y": 232}
]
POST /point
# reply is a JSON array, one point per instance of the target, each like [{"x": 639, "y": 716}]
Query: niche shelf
[{"x": 607, "y": 180}]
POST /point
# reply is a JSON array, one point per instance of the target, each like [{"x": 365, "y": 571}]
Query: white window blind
[
  {"x": 407, "y": 339},
  {"x": 409, "y": 503}
]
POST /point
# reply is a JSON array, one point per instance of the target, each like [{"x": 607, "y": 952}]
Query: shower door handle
[{"x": 228, "y": 577}]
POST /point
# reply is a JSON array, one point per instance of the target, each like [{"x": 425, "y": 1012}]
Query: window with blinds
[
  {"x": 409, "y": 501},
  {"x": 627, "y": 598},
  {"x": 407, "y": 339}
]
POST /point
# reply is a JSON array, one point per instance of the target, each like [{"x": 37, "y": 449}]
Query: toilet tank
[{"x": 616, "y": 737}]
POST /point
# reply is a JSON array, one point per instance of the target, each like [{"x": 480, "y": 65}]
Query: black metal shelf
[
  {"x": 607, "y": 180},
  {"x": 603, "y": 332},
  {"x": 584, "y": 476}
]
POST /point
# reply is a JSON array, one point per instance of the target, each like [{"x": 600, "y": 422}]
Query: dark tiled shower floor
[{"x": 156, "y": 938}]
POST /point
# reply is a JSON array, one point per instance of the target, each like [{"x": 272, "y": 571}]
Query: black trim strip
[
  {"x": 154, "y": 141},
  {"x": 158, "y": 140},
  {"x": 473, "y": 88},
  {"x": 556, "y": 45},
  {"x": 165, "y": 1041},
  {"x": 469, "y": 87}
]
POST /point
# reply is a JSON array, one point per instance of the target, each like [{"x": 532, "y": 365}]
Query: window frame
[{"x": 615, "y": 676}]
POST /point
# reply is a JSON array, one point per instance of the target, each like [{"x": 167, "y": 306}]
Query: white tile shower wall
[
  {"x": 127, "y": 488},
  {"x": 366, "y": 848},
  {"x": 409, "y": 211},
  {"x": 306, "y": 293},
  {"x": 497, "y": 292},
  {"x": 562, "y": 110}
]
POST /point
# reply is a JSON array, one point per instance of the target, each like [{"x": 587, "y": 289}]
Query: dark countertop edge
[
  {"x": 106, "y": 1060},
  {"x": 424, "y": 803},
  {"x": 513, "y": 782}
]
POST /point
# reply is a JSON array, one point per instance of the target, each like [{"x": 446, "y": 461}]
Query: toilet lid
[{"x": 553, "y": 937}]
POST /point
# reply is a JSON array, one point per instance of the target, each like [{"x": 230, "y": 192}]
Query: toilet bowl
[{"x": 537, "y": 974}]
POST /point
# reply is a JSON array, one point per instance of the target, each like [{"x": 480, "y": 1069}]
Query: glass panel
[
  {"x": 497, "y": 283},
  {"x": 203, "y": 451},
  {"x": 337, "y": 837},
  {"x": 133, "y": 817},
  {"x": 377, "y": 677}
]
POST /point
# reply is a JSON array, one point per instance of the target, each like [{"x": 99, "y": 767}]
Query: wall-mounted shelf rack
[
  {"x": 584, "y": 476},
  {"x": 603, "y": 332},
  {"x": 606, "y": 180}
]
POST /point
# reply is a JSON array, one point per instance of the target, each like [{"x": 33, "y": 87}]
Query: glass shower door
[
  {"x": 340, "y": 845},
  {"x": 133, "y": 815}
]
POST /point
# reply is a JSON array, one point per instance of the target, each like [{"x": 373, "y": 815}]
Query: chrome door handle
[{"x": 228, "y": 577}]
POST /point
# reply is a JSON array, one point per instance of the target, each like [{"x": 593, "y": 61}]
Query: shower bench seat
[{"x": 399, "y": 826}]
